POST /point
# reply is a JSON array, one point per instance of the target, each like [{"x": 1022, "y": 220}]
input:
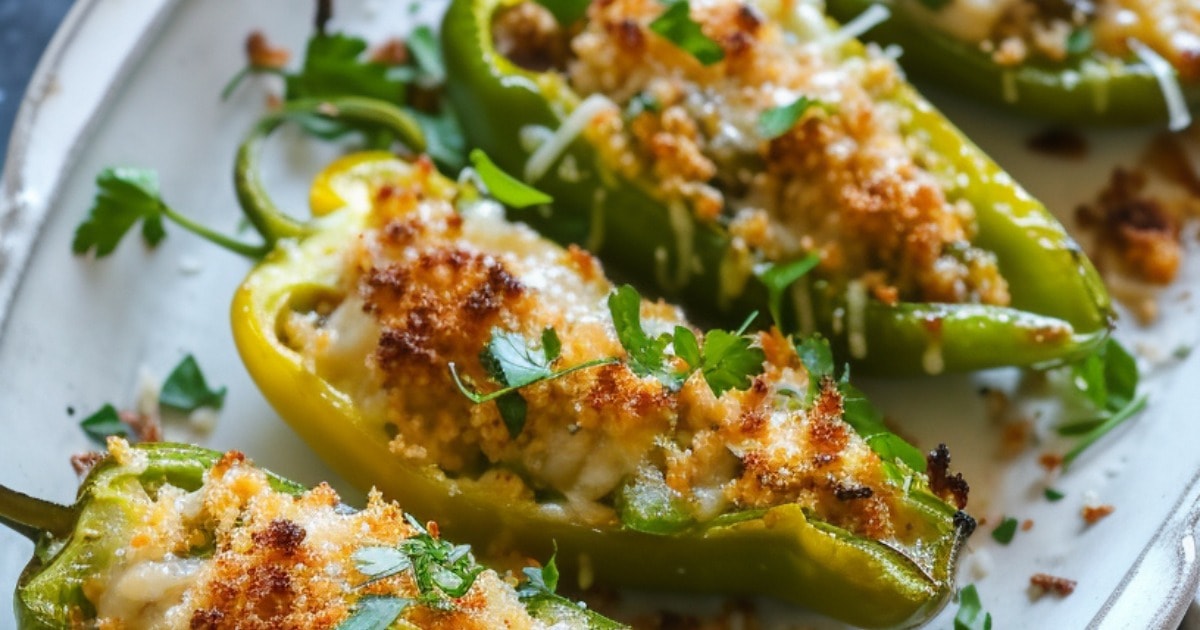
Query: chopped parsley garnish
[
  {"x": 338, "y": 65},
  {"x": 186, "y": 390},
  {"x": 777, "y": 121},
  {"x": 647, "y": 355},
  {"x": 725, "y": 359},
  {"x": 1005, "y": 531},
  {"x": 540, "y": 581},
  {"x": 104, "y": 423},
  {"x": 1053, "y": 495},
  {"x": 677, "y": 26},
  {"x": 778, "y": 277},
  {"x": 566, "y": 12},
  {"x": 1080, "y": 41},
  {"x": 375, "y": 612},
  {"x": 126, "y": 196},
  {"x": 441, "y": 570},
  {"x": 1108, "y": 380},
  {"x": 333, "y": 66},
  {"x": 513, "y": 362},
  {"x": 971, "y": 615},
  {"x": 505, "y": 188}
]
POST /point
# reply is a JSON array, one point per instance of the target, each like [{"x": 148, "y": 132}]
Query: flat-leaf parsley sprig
[
  {"x": 725, "y": 359},
  {"x": 126, "y": 196},
  {"x": 1108, "y": 379},
  {"x": 442, "y": 571}
]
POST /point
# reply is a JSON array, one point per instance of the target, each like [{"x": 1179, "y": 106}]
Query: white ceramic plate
[{"x": 136, "y": 83}]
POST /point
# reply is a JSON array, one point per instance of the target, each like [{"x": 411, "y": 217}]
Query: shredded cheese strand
[
  {"x": 554, "y": 146},
  {"x": 1168, "y": 82},
  {"x": 875, "y": 15}
]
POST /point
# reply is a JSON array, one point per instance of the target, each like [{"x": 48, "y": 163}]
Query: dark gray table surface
[{"x": 25, "y": 29}]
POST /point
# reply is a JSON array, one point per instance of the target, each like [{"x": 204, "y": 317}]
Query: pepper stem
[
  {"x": 267, "y": 218},
  {"x": 31, "y": 517}
]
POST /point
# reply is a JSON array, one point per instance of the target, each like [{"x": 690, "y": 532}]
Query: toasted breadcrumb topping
[
  {"x": 236, "y": 553},
  {"x": 847, "y": 181},
  {"x": 424, "y": 287}
]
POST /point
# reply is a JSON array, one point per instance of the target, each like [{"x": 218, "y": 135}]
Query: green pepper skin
[
  {"x": 49, "y": 592},
  {"x": 1060, "y": 309},
  {"x": 1108, "y": 92}
]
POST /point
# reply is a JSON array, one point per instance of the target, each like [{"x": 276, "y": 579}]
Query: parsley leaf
[
  {"x": 186, "y": 390},
  {"x": 332, "y": 67},
  {"x": 378, "y": 563},
  {"x": 867, "y": 421},
  {"x": 566, "y": 12},
  {"x": 125, "y": 196},
  {"x": 971, "y": 615},
  {"x": 1080, "y": 41},
  {"x": 1108, "y": 379},
  {"x": 427, "y": 53},
  {"x": 375, "y": 612},
  {"x": 647, "y": 355},
  {"x": 729, "y": 361},
  {"x": 540, "y": 580},
  {"x": 105, "y": 422},
  {"x": 817, "y": 356},
  {"x": 1005, "y": 531},
  {"x": 676, "y": 24},
  {"x": 505, "y": 188},
  {"x": 934, "y": 4},
  {"x": 777, "y": 277},
  {"x": 777, "y": 121},
  {"x": 1053, "y": 495},
  {"x": 687, "y": 348},
  {"x": 509, "y": 360},
  {"x": 513, "y": 411},
  {"x": 440, "y": 569}
]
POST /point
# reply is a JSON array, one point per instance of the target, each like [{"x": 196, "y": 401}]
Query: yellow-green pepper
[{"x": 783, "y": 551}]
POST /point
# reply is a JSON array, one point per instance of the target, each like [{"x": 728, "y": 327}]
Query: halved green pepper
[
  {"x": 1086, "y": 88},
  {"x": 1059, "y": 310},
  {"x": 76, "y": 544},
  {"x": 784, "y": 551}
]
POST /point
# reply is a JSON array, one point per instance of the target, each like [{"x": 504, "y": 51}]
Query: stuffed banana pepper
[
  {"x": 476, "y": 371},
  {"x": 719, "y": 152},
  {"x": 1081, "y": 62},
  {"x": 177, "y": 536}
]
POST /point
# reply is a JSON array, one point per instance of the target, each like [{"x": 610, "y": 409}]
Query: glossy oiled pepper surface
[
  {"x": 783, "y": 551},
  {"x": 1059, "y": 310}
]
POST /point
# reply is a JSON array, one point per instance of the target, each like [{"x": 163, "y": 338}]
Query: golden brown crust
[
  {"x": 844, "y": 181},
  {"x": 277, "y": 561},
  {"x": 430, "y": 285}
]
